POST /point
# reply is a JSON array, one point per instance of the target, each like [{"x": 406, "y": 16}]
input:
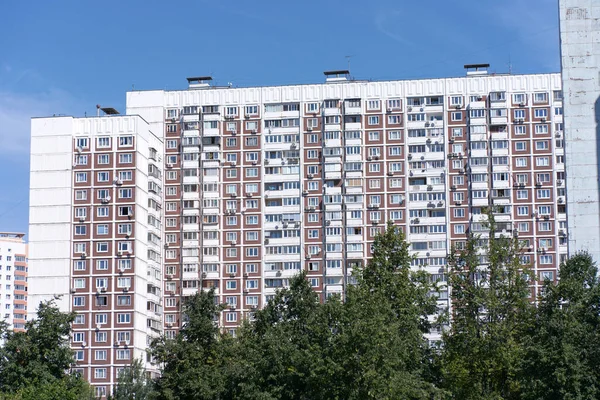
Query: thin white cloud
[
  {"x": 17, "y": 108},
  {"x": 535, "y": 25},
  {"x": 385, "y": 21}
]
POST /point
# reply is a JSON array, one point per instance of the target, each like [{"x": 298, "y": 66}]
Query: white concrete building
[
  {"x": 13, "y": 280},
  {"x": 580, "y": 55},
  {"x": 95, "y": 230},
  {"x": 241, "y": 188}
]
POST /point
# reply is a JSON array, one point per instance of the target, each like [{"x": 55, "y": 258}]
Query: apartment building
[
  {"x": 263, "y": 182},
  {"x": 95, "y": 235},
  {"x": 238, "y": 189},
  {"x": 13, "y": 280}
]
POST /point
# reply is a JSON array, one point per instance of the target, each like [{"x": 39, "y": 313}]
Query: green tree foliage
[
  {"x": 491, "y": 311},
  {"x": 35, "y": 363},
  {"x": 133, "y": 384},
  {"x": 370, "y": 346},
  {"x": 192, "y": 363},
  {"x": 563, "y": 343}
]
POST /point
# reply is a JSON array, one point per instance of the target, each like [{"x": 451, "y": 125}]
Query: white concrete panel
[
  {"x": 49, "y": 232},
  {"x": 50, "y": 179},
  {"x": 39, "y": 162},
  {"x": 49, "y": 214},
  {"x": 51, "y": 144},
  {"x": 581, "y": 83},
  {"x": 48, "y": 250}
]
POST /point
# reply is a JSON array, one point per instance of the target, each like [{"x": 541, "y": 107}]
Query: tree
[
  {"x": 38, "y": 360},
  {"x": 133, "y": 384},
  {"x": 563, "y": 344},
  {"x": 192, "y": 363},
  {"x": 491, "y": 309},
  {"x": 383, "y": 353}
]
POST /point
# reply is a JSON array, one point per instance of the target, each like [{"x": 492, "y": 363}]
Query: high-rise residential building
[
  {"x": 95, "y": 235},
  {"x": 13, "y": 280},
  {"x": 238, "y": 189},
  {"x": 580, "y": 51}
]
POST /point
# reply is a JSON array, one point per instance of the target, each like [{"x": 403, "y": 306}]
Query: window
[
  {"x": 457, "y": 116},
  {"x": 125, "y": 158},
  {"x": 126, "y": 141},
  {"x": 123, "y": 318},
  {"x": 540, "y": 97},
  {"x": 81, "y": 177},
  {"x": 373, "y": 120}
]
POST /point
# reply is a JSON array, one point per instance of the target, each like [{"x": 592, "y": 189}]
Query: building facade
[
  {"x": 13, "y": 280},
  {"x": 580, "y": 34},
  {"x": 95, "y": 236},
  {"x": 238, "y": 189}
]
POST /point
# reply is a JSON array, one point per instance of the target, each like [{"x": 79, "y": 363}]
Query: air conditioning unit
[
  {"x": 266, "y": 161},
  {"x": 169, "y": 165},
  {"x": 81, "y": 219},
  {"x": 126, "y": 289},
  {"x": 453, "y": 187},
  {"x": 103, "y": 290},
  {"x": 169, "y": 324},
  {"x": 559, "y": 182},
  {"x": 369, "y": 158},
  {"x": 309, "y": 128},
  {"x": 561, "y": 232},
  {"x": 278, "y": 273},
  {"x": 416, "y": 221},
  {"x": 233, "y": 194},
  {"x": 254, "y": 131},
  {"x": 233, "y": 163},
  {"x": 458, "y": 106},
  {"x": 266, "y": 241},
  {"x": 293, "y": 146},
  {"x": 310, "y": 176},
  {"x": 451, "y": 140},
  {"x": 204, "y": 274},
  {"x": 560, "y": 200},
  {"x": 83, "y": 255},
  {"x": 305, "y": 192},
  {"x": 233, "y": 242},
  {"x": 409, "y": 108},
  {"x": 390, "y": 173},
  {"x": 130, "y": 213},
  {"x": 429, "y": 187},
  {"x": 105, "y": 199},
  {"x": 118, "y": 181},
  {"x": 73, "y": 290},
  {"x": 308, "y": 256},
  {"x": 254, "y": 162},
  {"x": 543, "y": 119},
  {"x": 409, "y": 156},
  {"x": 522, "y": 104},
  {"x": 458, "y": 203},
  {"x": 327, "y": 223},
  {"x": 479, "y": 98}
]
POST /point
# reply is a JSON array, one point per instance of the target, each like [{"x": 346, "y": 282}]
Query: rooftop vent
[
  {"x": 337, "y": 76},
  {"x": 106, "y": 110},
  {"x": 199, "y": 82},
  {"x": 477, "y": 69}
]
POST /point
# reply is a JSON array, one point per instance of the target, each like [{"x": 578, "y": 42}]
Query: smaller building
[{"x": 13, "y": 280}]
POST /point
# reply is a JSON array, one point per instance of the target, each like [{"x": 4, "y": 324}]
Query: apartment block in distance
[
  {"x": 13, "y": 280},
  {"x": 95, "y": 235},
  {"x": 238, "y": 189}
]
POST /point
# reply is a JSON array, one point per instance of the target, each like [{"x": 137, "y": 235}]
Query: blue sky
[{"x": 64, "y": 57}]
